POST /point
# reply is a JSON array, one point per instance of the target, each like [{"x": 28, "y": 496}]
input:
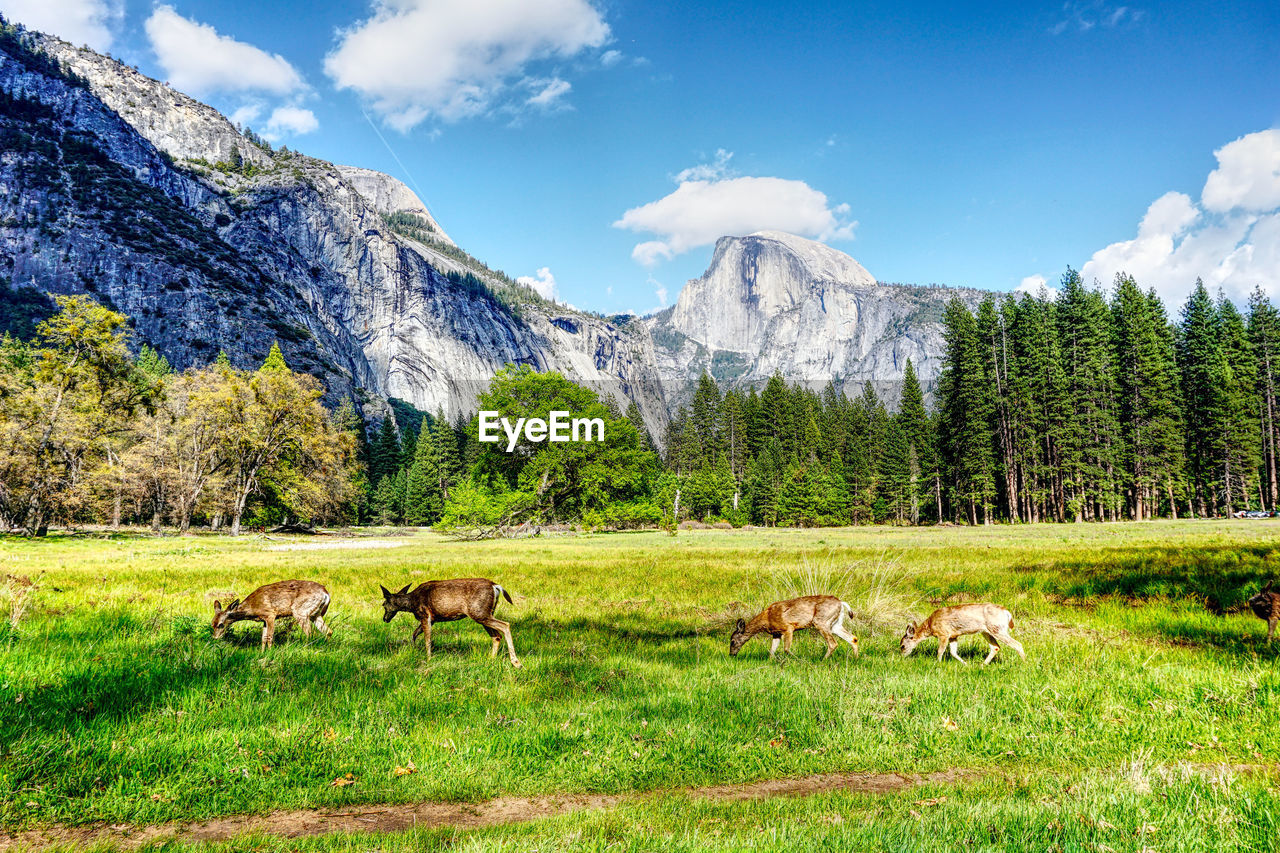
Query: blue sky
[{"x": 608, "y": 143}]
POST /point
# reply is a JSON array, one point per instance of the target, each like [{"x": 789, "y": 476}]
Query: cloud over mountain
[
  {"x": 710, "y": 202},
  {"x": 451, "y": 59}
]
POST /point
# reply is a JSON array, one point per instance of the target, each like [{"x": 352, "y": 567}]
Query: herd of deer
[{"x": 306, "y": 602}]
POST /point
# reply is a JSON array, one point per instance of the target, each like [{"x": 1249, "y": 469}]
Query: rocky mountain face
[
  {"x": 773, "y": 302},
  {"x": 116, "y": 185}
]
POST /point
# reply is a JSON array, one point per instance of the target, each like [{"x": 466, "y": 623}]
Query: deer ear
[
  {"x": 233, "y": 605},
  {"x": 217, "y": 606},
  {"x": 1267, "y": 588},
  {"x": 741, "y": 625},
  {"x": 404, "y": 589},
  {"x": 386, "y": 593}
]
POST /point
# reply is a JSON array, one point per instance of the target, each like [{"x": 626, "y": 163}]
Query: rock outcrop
[
  {"x": 773, "y": 302},
  {"x": 114, "y": 184}
]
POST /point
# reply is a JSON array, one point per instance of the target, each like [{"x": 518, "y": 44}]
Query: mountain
[
  {"x": 114, "y": 184},
  {"x": 773, "y": 302}
]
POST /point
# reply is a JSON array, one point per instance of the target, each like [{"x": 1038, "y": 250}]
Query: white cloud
[
  {"x": 1248, "y": 174},
  {"x": 610, "y": 58},
  {"x": 291, "y": 121},
  {"x": 1034, "y": 284},
  {"x": 415, "y": 59},
  {"x": 659, "y": 290},
  {"x": 91, "y": 22},
  {"x": 1231, "y": 239},
  {"x": 709, "y": 204},
  {"x": 549, "y": 92},
  {"x": 199, "y": 61},
  {"x": 544, "y": 285},
  {"x": 1086, "y": 16},
  {"x": 246, "y": 114},
  {"x": 713, "y": 171}
]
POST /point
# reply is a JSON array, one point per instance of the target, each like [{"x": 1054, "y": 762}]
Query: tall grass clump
[
  {"x": 879, "y": 589},
  {"x": 16, "y": 596}
]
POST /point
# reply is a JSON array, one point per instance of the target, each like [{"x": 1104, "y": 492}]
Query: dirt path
[{"x": 397, "y": 818}]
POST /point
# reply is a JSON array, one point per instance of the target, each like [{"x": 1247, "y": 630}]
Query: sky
[{"x": 598, "y": 148}]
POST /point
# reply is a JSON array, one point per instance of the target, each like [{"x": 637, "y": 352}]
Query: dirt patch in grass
[{"x": 401, "y": 817}]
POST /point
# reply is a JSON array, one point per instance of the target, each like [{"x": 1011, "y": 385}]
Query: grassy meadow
[{"x": 1143, "y": 674}]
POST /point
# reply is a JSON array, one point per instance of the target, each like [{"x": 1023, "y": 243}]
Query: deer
[
  {"x": 823, "y": 613},
  {"x": 305, "y": 601},
  {"x": 948, "y": 624},
  {"x": 1266, "y": 605},
  {"x": 448, "y": 601}
]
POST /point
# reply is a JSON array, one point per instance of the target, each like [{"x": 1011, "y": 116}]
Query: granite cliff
[{"x": 114, "y": 184}]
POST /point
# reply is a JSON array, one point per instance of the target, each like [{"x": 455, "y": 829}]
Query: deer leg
[
  {"x": 1009, "y": 641},
  {"x": 268, "y": 633},
  {"x": 305, "y": 621},
  {"x": 942, "y": 648},
  {"x": 954, "y": 646},
  {"x": 1271, "y": 629},
  {"x": 417, "y": 632},
  {"x": 497, "y": 624},
  {"x": 843, "y": 633},
  {"x": 773, "y": 647},
  {"x": 829, "y": 639},
  {"x": 496, "y": 636},
  {"x": 786, "y": 640},
  {"x": 322, "y": 627},
  {"x": 425, "y": 627},
  {"x": 994, "y": 647}
]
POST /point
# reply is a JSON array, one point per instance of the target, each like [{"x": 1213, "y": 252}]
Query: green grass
[{"x": 117, "y": 705}]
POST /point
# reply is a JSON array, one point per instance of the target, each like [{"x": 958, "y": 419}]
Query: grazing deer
[
  {"x": 823, "y": 613},
  {"x": 450, "y": 600},
  {"x": 1266, "y": 605},
  {"x": 305, "y": 601},
  {"x": 949, "y": 623}
]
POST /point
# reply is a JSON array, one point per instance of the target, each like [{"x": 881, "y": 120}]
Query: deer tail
[{"x": 497, "y": 589}]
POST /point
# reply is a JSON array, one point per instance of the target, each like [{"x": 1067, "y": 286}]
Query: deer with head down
[
  {"x": 305, "y": 601},
  {"x": 1266, "y": 606},
  {"x": 448, "y": 601},
  {"x": 948, "y": 624},
  {"x": 823, "y": 613}
]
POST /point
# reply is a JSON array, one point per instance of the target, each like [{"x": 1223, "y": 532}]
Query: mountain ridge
[{"x": 237, "y": 244}]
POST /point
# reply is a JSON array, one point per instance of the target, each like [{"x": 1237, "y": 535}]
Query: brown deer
[
  {"x": 823, "y": 613},
  {"x": 305, "y": 601},
  {"x": 448, "y": 601},
  {"x": 950, "y": 623},
  {"x": 1266, "y": 605}
]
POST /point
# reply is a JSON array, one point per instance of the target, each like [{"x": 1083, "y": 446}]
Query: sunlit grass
[{"x": 117, "y": 705}]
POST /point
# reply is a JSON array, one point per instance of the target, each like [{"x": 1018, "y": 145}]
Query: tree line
[
  {"x": 88, "y": 432},
  {"x": 1081, "y": 406}
]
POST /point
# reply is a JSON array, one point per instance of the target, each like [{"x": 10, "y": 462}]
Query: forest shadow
[{"x": 1222, "y": 578}]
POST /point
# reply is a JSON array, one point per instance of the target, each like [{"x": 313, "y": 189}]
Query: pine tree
[
  {"x": 637, "y": 421},
  {"x": 384, "y": 459},
  {"x": 966, "y": 413},
  {"x": 703, "y": 415},
  {"x": 1241, "y": 442},
  {"x": 152, "y": 363},
  {"x": 424, "y": 501},
  {"x": 1264, "y": 335},
  {"x": 222, "y": 360},
  {"x": 274, "y": 360},
  {"x": 1201, "y": 364},
  {"x": 917, "y": 427},
  {"x": 1089, "y": 428},
  {"x": 1149, "y": 399}
]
